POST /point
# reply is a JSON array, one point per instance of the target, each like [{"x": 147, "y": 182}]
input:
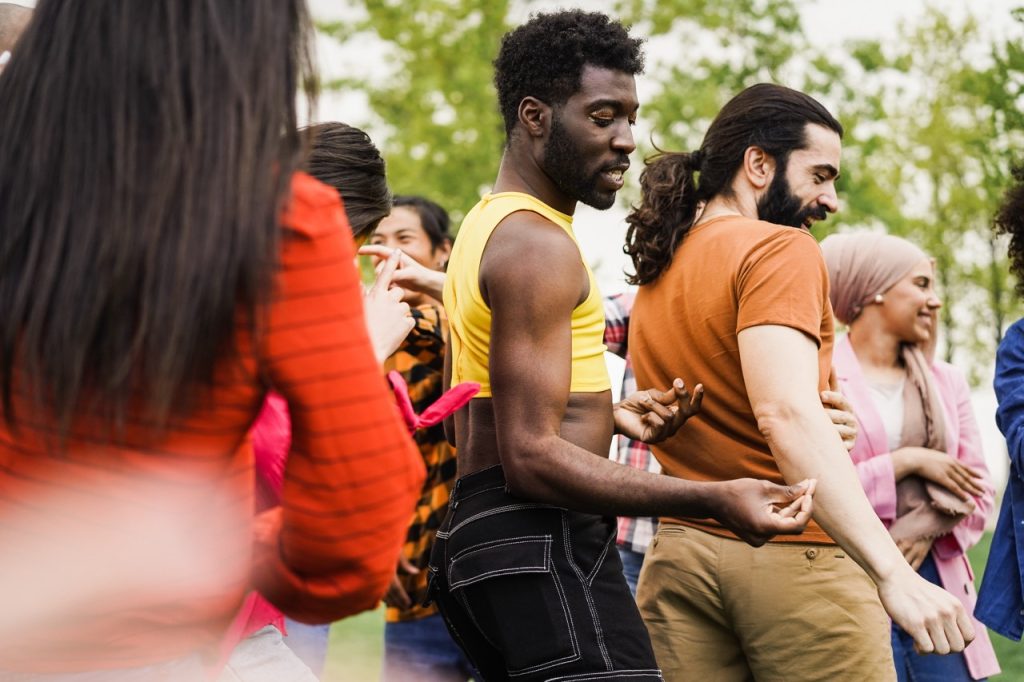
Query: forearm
[
  {"x": 806, "y": 446},
  {"x": 557, "y": 472}
]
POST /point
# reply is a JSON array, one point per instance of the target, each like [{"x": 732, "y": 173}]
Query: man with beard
[
  {"x": 524, "y": 569},
  {"x": 741, "y": 286}
]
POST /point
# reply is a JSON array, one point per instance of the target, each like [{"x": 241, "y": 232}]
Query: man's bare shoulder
[{"x": 527, "y": 247}]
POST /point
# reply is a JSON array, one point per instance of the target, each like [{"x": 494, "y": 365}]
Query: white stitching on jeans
[
  {"x": 491, "y": 512},
  {"x": 586, "y": 593},
  {"x": 600, "y": 559},
  {"x": 523, "y": 540},
  {"x": 567, "y": 612},
  {"x": 585, "y": 677}
]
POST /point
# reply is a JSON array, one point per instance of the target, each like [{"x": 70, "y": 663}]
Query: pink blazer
[{"x": 874, "y": 466}]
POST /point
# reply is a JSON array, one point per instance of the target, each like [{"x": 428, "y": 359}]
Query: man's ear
[
  {"x": 534, "y": 116},
  {"x": 758, "y": 167}
]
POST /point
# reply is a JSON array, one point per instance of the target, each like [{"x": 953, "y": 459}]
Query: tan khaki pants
[{"x": 718, "y": 609}]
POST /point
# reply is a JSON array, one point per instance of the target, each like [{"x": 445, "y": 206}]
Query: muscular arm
[
  {"x": 532, "y": 300},
  {"x": 780, "y": 370}
]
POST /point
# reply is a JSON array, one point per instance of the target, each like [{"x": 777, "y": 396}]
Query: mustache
[
  {"x": 621, "y": 161},
  {"x": 819, "y": 213}
]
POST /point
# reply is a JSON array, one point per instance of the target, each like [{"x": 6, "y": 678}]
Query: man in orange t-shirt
[{"x": 739, "y": 301}]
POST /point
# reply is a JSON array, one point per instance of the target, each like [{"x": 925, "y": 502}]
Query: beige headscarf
[{"x": 860, "y": 267}]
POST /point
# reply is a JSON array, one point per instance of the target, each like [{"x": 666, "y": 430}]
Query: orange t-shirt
[
  {"x": 728, "y": 274},
  {"x": 122, "y": 552}
]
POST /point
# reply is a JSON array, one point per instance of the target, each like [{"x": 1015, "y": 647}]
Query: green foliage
[
  {"x": 932, "y": 127},
  {"x": 725, "y": 46},
  {"x": 933, "y": 120},
  {"x": 441, "y": 133}
]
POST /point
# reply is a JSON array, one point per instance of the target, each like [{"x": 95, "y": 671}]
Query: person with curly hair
[
  {"x": 1001, "y": 598},
  {"x": 730, "y": 274},
  {"x": 524, "y": 569}
]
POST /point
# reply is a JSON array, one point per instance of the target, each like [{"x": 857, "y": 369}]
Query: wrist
[
  {"x": 616, "y": 411},
  {"x": 883, "y": 570},
  {"x": 709, "y": 499}
]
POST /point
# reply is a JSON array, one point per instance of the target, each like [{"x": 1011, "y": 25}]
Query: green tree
[
  {"x": 436, "y": 115},
  {"x": 928, "y": 154}
]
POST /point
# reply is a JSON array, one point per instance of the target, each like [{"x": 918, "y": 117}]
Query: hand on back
[{"x": 651, "y": 416}]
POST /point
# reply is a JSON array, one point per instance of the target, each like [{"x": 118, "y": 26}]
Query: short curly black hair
[
  {"x": 1010, "y": 221},
  {"x": 544, "y": 58}
]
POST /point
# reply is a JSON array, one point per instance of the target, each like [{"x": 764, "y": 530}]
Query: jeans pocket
[{"x": 515, "y": 598}]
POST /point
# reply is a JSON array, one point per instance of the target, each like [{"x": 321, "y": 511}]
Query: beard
[
  {"x": 562, "y": 163},
  {"x": 780, "y": 206}
]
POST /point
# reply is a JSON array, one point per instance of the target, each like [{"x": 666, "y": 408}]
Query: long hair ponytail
[
  {"x": 772, "y": 117},
  {"x": 667, "y": 209}
]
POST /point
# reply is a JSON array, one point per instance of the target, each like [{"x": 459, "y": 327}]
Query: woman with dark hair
[
  {"x": 919, "y": 454},
  {"x": 345, "y": 158},
  {"x": 162, "y": 264},
  {"x": 1000, "y": 599}
]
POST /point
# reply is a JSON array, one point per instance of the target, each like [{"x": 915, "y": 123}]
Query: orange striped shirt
[{"x": 121, "y": 553}]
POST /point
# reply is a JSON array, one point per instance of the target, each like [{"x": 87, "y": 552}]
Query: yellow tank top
[{"x": 469, "y": 316}]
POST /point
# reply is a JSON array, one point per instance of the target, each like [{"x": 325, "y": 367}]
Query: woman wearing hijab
[{"x": 919, "y": 452}]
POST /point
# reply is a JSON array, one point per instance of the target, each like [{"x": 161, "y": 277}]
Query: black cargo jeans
[{"x": 531, "y": 591}]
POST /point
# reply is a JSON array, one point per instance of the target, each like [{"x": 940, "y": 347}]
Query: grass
[
  {"x": 357, "y": 643},
  {"x": 1009, "y": 653}
]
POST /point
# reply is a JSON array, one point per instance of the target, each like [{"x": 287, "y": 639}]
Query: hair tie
[{"x": 696, "y": 159}]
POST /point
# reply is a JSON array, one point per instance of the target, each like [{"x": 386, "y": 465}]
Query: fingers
[
  {"x": 386, "y": 273},
  {"x": 376, "y": 251},
  {"x": 654, "y": 404},
  {"x": 836, "y": 400},
  {"x": 697, "y": 399},
  {"x": 953, "y": 485},
  {"x": 965, "y": 626}
]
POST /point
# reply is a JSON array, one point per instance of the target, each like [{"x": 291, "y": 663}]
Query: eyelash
[{"x": 605, "y": 122}]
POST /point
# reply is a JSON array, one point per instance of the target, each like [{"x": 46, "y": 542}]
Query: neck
[
  {"x": 875, "y": 349},
  {"x": 722, "y": 205},
  {"x": 520, "y": 172}
]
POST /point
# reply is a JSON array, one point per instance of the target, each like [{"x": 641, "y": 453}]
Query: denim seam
[
  {"x": 491, "y": 512},
  {"x": 585, "y": 677},
  {"x": 549, "y": 567},
  {"x": 522, "y": 540},
  {"x": 462, "y": 498},
  {"x": 600, "y": 560},
  {"x": 586, "y": 593},
  {"x": 567, "y": 612}
]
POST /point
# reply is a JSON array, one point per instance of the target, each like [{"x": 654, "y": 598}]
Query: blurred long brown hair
[{"x": 145, "y": 154}]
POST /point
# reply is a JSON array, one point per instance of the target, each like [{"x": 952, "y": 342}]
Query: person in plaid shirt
[{"x": 635, "y": 533}]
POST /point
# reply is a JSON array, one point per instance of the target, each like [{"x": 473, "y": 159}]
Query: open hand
[
  {"x": 757, "y": 510},
  {"x": 387, "y": 316},
  {"x": 652, "y": 416},
  {"x": 839, "y": 410}
]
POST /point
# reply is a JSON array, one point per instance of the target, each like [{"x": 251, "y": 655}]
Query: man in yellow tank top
[{"x": 524, "y": 568}]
